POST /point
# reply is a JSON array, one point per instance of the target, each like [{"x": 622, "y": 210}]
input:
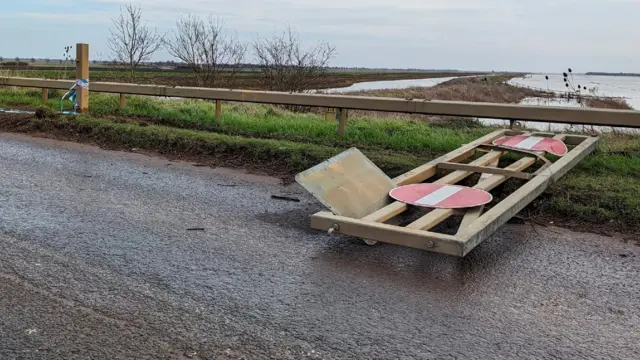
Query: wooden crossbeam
[
  {"x": 486, "y": 170},
  {"x": 392, "y": 234}
]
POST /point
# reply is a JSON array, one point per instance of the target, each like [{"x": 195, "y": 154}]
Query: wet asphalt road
[{"x": 96, "y": 262}]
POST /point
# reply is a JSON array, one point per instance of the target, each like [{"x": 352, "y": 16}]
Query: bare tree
[
  {"x": 206, "y": 48},
  {"x": 286, "y": 65},
  {"x": 132, "y": 41}
]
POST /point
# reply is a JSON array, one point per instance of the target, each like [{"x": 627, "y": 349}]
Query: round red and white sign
[
  {"x": 533, "y": 143},
  {"x": 441, "y": 196}
]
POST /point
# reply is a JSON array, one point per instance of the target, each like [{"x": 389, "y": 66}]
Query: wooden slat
[
  {"x": 486, "y": 170},
  {"x": 397, "y": 207},
  {"x": 418, "y": 239},
  {"x": 436, "y": 216},
  {"x": 591, "y": 116},
  {"x": 45, "y": 95},
  {"x": 488, "y": 223},
  {"x": 429, "y": 169},
  {"x": 474, "y": 213},
  {"x": 470, "y": 216}
]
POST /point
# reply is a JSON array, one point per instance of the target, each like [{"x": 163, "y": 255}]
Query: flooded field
[
  {"x": 627, "y": 87},
  {"x": 392, "y": 84},
  {"x": 555, "y": 126}
]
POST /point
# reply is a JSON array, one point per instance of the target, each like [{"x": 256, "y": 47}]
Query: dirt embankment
[{"x": 492, "y": 89}]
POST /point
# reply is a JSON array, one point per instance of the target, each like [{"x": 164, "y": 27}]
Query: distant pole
[{"x": 82, "y": 73}]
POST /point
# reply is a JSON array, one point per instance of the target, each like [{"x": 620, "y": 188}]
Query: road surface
[{"x": 99, "y": 259}]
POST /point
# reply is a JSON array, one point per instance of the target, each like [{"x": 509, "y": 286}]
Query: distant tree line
[
  {"x": 215, "y": 56},
  {"x": 612, "y": 74}
]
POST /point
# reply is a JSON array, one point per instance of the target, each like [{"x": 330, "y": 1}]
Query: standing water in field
[
  {"x": 391, "y": 84},
  {"x": 627, "y": 87},
  {"x": 545, "y": 126}
]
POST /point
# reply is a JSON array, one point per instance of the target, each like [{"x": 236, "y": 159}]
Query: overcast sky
[{"x": 518, "y": 35}]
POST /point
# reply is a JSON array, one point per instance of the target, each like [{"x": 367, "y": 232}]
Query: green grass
[
  {"x": 263, "y": 121},
  {"x": 602, "y": 189}
]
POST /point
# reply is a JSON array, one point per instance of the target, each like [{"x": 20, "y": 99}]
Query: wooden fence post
[
  {"x": 218, "y": 110},
  {"x": 45, "y": 95},
  {"x": 82, "y": 73},
  {"x": 343, "y": 115},
  {"x": 123, "y": 101}
]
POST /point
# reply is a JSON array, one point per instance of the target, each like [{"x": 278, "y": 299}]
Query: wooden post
[
  {"x": 343, "y": 115},
  {"x": 330, "y": 115},
  {"x": 123, "y": 101},
  {"x": 82, "y": 73},
  {"x": 45, "y": 95},
  {"x": 218, "y": 110}
]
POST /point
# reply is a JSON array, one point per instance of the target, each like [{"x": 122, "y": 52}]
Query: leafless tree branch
[
  {"x": 131, "y": 41},
  {"x": 286, "y": 65},
  {"x": 207, "y": 49}
]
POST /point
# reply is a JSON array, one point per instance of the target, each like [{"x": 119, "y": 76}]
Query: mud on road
[{"x": 108, "y": 255}]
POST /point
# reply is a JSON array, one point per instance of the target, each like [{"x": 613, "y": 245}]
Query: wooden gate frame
[{"x": 476, "y": 226}]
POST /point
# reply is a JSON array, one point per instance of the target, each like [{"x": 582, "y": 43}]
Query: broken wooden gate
[{"x": 356, "y": 192}]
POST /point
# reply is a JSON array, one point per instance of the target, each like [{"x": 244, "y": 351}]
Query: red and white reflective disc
[
  {"x": 441, "y": 196},
  {"x": 533, "y": 143}
]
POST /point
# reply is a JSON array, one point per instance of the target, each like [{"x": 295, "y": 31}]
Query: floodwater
[
  {"x": 392, "y": 84},
  {"x": 627, "y": 87},
  {"x": 545, "y": 126}
]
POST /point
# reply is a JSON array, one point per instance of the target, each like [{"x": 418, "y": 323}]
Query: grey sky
[{"x": 522, "y": 35}]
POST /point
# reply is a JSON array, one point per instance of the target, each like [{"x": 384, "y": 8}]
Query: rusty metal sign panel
[{"x": 349, "y": 184}]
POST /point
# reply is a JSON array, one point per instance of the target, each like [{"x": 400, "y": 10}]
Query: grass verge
[{"x": 600, "y": 192}]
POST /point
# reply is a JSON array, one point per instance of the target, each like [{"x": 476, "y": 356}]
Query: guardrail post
[
  {"x": 123, "y": 101},
  {"x": 218, "y": 110},
  {"x": 45, "y": 95},
  {"x": 342, "y": 114},
  {"x": 330, "y": 115},
  {"x": 82, "y": 73}
]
